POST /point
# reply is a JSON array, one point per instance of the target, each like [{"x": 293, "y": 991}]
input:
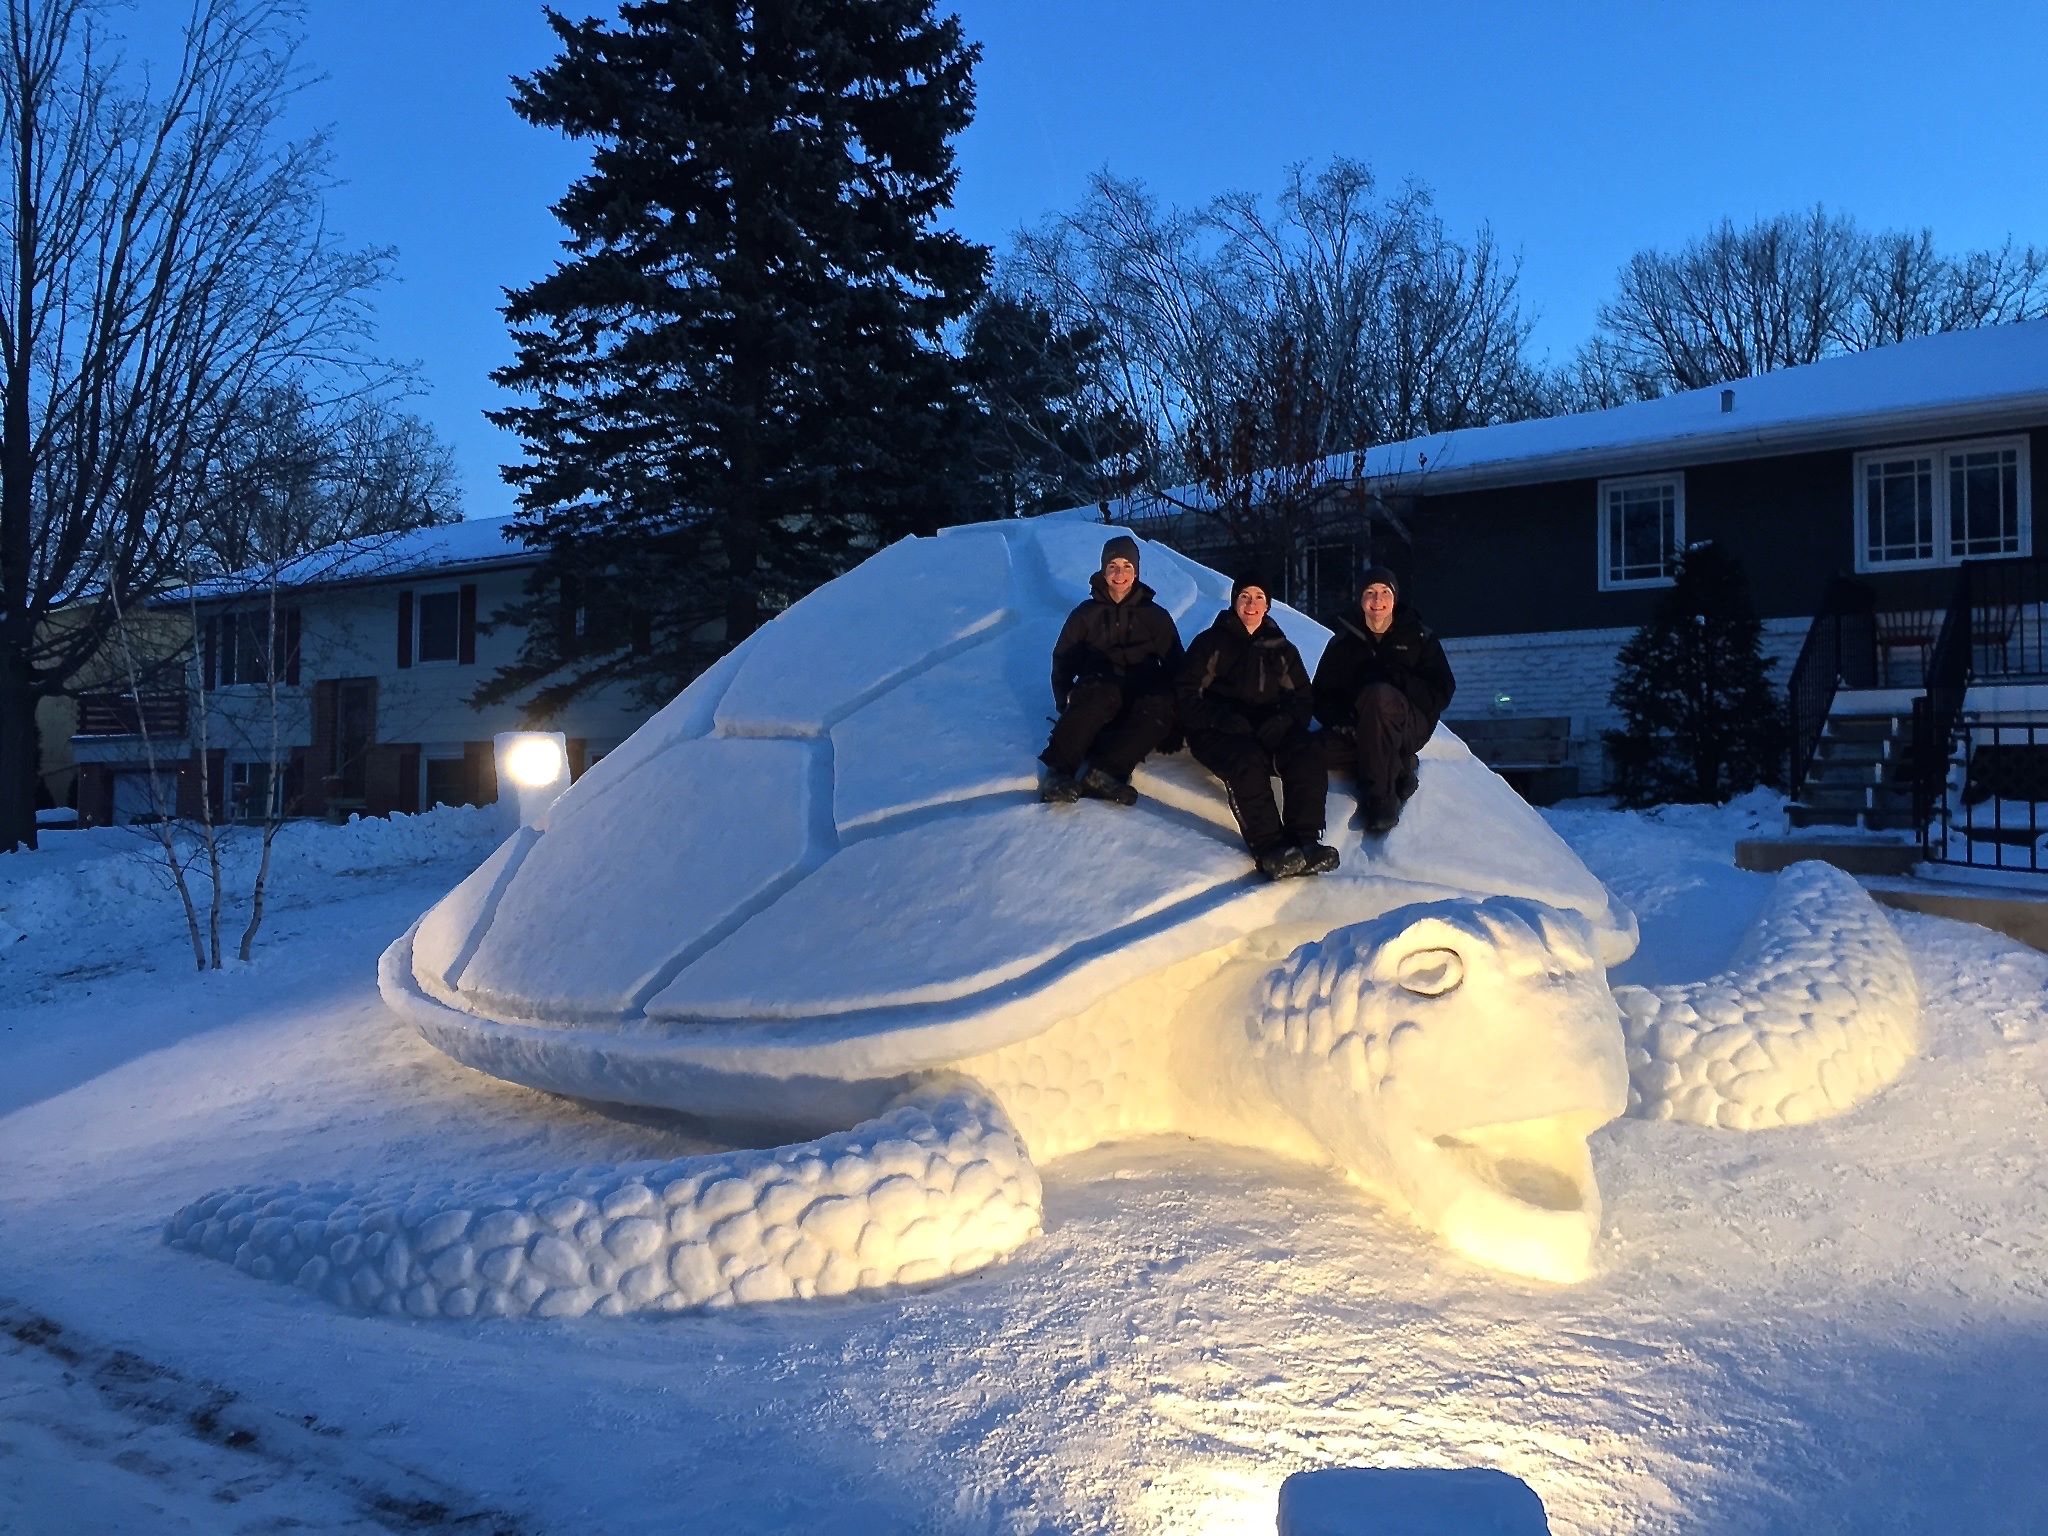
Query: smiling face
[
  {"x": 1250, "y": 607},
  {"x": 1378, "y": 603},
  {"x": 1119, "y": 576}
]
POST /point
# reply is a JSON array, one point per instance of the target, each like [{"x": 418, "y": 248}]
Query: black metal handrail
[
  {"x": 1995, "y": 816},
  {"x": 1841, "y": 647},
  {"x": 1938, "y": 708},
  {"x": 2009, "y": 617}
]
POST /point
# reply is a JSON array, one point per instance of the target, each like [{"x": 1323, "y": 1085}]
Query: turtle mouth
[{"x": 1519, "y": 1196}]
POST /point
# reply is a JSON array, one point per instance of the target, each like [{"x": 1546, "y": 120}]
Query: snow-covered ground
[{"x": 1836, "y": 1327}]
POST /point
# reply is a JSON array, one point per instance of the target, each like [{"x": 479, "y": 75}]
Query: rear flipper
[{"x": 939, "y": 1185}]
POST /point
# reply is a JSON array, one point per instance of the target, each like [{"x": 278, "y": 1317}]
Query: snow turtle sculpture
[{"x": 816, "y": 897}]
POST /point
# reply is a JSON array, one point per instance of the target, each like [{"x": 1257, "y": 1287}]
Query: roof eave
[
  {"x": 1870, "y": 429},
  {"x": 374, "y": 578}
]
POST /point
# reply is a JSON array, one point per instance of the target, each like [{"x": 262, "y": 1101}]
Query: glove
[{"x": 1272, "y": 731}]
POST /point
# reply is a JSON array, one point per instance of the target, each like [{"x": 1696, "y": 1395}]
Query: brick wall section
[{"x": 1571, "y": 672}]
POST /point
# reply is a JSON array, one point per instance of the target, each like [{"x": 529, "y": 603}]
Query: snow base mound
[
  {"x": 937, "y": 1187},
  {"x": 1817, "y": 1012}
]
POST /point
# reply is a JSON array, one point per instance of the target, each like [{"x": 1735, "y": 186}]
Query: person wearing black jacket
[
  {"x": 1112, "y": 683},
  {"x": 1245, "y": 705},
  {"x": 1379, "y": 692}
]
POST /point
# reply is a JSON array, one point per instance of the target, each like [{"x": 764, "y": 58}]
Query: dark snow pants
[
  {"x": 1390, "y": 732},
  {"x": 1109, "y": 723},
  {"x": 1247, "y": 770}
]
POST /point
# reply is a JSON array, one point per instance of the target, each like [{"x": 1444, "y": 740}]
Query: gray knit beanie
[{"x": 1122, "y": 547}]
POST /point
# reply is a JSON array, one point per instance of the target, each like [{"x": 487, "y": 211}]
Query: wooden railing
[
  {"x": 1840, "y": 648},
  {"x": 127, "y": 714}
]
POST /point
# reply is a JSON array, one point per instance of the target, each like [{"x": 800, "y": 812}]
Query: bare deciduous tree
[
  {"x": 1789, "y": 290},
  {"x": 163, "y": 256},
  {"x": 1405, "y": 330}
]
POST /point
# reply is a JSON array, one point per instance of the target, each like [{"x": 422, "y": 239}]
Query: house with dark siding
[
  {"x": 1539, "y": 547},
  {"x": 1853, "y": 490}
]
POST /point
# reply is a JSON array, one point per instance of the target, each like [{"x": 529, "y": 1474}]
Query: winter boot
[
  {"x": 1408, "y": 780},
  {"x": 1097, "y": 785},
  {"x": 1058, "y": 788},
  {"x": 1381, "y": 819},
  {"x": 1318, "y": 858},
  {"x": 1282, "y": 862}
]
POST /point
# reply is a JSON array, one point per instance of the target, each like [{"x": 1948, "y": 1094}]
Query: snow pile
[
  {"x": 1816, "y": 1012},
  {"x": 116, "y": 877},
  {"x": 912, "y": 1197}
]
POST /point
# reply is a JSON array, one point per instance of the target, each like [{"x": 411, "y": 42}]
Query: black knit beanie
[
  {"x": 1238, "y": 586},
  {"x": 1382, "y": 576},
  {"x": 1122, "y": 547}
]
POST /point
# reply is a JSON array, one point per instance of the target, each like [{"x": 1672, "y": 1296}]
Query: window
[
  {"x": 1642, "y": 530},
  {"x": 253, "y": 795},
  {"x": 1941, "y": 504},
  {"x": 439, "y": 616},
  {"x": 240, "y": 646}
]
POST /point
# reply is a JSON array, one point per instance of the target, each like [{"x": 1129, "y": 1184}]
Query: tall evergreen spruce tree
[
  {"x": 736, "y": 379},
  {"x": 1703, "y": 722}
]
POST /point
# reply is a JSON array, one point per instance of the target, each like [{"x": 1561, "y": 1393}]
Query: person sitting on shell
[
  {"x": 1112, "y": 682},
  {"x": 1379, "y": 691},
  {"x": 1245, "y": 705}
]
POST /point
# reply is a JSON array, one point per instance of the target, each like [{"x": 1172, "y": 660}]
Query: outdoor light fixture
[{"x": 533, "y": 769}]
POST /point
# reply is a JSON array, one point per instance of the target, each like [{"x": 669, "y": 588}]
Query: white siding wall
[
  {"x": 353, "y": 632},
  {"x": 1571, "y": 672}
]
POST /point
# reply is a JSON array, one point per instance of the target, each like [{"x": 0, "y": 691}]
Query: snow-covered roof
[
  {"x": 476, "y": 543},
  {"x": 1959, "y": 381}
]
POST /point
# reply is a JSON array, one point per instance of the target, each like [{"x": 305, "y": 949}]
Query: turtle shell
[{"x": 825, "y": 859}]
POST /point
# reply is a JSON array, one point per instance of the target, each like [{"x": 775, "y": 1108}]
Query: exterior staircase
[{"x": 1860, "y": 775}]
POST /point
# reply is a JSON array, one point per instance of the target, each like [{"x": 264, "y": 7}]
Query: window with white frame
[
  {"x": 1942, "y": 503},
  {"x": 437, "y": 624},
  {"x": 1642, "y": 530}
]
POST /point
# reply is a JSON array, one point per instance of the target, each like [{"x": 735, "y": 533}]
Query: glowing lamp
[{"x": 533, "y": 769}]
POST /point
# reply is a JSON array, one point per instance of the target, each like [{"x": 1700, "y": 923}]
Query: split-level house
[
  {"x": 1884, "y": 505},
  {"x": 352, "y": 670}
]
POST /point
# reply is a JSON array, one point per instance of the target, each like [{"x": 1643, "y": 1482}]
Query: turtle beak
[{"x": 1518, "y": 1196}]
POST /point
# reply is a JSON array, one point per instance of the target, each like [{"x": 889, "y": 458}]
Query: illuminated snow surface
[{"x": 1830, "y": 1326}]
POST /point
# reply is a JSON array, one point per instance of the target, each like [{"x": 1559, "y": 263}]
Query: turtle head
[{"x": 1456, "y": 1054}]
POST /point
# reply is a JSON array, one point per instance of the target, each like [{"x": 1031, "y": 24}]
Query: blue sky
[{"x": 1581, "y": 132}]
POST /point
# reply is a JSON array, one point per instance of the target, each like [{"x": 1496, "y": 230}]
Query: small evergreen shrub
[{"x": 1703, "y": 723}]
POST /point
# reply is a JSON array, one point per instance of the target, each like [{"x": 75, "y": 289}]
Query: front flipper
[
  {"x": 938, "y": 1185},
  {"x": 1817, "y": 1012}
]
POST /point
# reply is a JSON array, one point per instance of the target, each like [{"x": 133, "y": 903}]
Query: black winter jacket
[
  {"x": 1407, "y": 655},
  {"x": 1134, "y": 640},
  {"x": 1232, "y": 681}
]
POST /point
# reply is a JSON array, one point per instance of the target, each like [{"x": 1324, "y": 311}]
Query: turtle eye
[{"x": 1431, "y": 972}]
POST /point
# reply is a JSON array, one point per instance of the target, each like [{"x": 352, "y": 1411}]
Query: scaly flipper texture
[
  {"x": 1818, "y": 1011},
  {"x": 937, "y": 1186}
]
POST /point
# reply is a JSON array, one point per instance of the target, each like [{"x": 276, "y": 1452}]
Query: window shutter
[
  {"x": 291, "y": 647},
  {"x": 405, "y": 629},
  {"x": 209, "y": 667},
  {"x": 465, "y": 629}
]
